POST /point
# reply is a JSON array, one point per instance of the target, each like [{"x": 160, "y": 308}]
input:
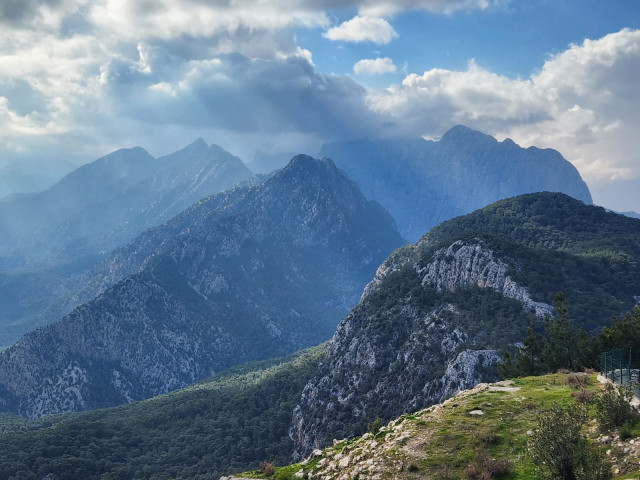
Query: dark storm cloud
[
  {"x": 240, "y": 94},
  {"x": 18, "y": 12}
]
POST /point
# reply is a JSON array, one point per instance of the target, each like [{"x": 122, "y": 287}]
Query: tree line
[{"x": 558, "y": 342}]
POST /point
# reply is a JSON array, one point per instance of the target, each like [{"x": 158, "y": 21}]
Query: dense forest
[{"x": 228, "y": 423}]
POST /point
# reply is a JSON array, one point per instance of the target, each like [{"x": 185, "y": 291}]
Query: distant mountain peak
[
  {"x": 195, "y": 147},
  {"x": 307, "y": 164},
  {"x": 304, "y": 161},
  {"x": 462, "y": 133},
  {"x": 422, "y": 183},
  {"x": 199, "y": 141},
  {"x": 125, "y": 154}
]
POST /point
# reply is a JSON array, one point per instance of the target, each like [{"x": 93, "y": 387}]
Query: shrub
[
  {"x": 613, "y": 407},
  {"x": 267, "y": 468},
  {"x": 577, "y": 380},
  {"x": 484, "y": 467},
  {"x": 626, "y": 430},
  {"x": 559, "y": 450},
  {"x": 582, "y": 396},
  {"x": 374, "y": 427}
]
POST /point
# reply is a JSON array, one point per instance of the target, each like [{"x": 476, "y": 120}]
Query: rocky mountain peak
[
  {"x": 130, "y": 163},
  {"x": 461, "y": 134},
  {"x": 306, "y": 164},
  {"x": 198, "y": 146},
  {"x": 422, "y": 183}
]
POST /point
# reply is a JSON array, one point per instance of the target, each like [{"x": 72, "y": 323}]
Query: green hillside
[
  {"x": 555, "y": 243},
  {"x": 227, "y": 423}
]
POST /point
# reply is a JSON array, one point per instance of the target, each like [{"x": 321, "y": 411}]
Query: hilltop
[{"x": 442, "y": 441}]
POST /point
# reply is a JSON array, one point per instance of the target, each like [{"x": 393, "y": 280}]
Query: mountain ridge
[
  {"x": 423, "y": 182},
  {"x": 263, "y": 275},
  {"x": 52, "y": 237}
]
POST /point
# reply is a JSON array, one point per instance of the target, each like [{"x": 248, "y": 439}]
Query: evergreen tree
[
  {"x": 564, "y": 339},
  {"x": 624, "y": 332},
  {"x": 506, "y": 367},
  {"x": 529, "y": 356}
]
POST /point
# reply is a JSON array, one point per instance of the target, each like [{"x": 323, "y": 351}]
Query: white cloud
[
  {"x": 362, "y": 29},
  {"x": 374, "y": 66},
  {"x": 584, "y": 102},
  {"x": 140, "y": 19}
]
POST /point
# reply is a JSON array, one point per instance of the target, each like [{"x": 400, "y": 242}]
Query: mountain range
[
  {"x": 52, "y": 236},
  {"x": 103, "y": 204},
  {"x": 423, "y": 182},
  {"x": 240, "y": 276},
  {"x": 52, "y": 239}
]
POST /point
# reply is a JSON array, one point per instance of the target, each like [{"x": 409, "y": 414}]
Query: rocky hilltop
[
  {"x": 254, "y": 274},
  {"x": 437, "y": 313},
  {"x": 423, "y": 183},
  {"x": 483, "y": 432}
]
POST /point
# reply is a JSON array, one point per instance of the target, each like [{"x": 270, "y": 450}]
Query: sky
[{"x": 81, "y": 78}]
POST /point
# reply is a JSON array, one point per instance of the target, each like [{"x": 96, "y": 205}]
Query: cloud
[
  {"x": 36, "y": 14},
  {"x": 165, "y": 19},
  {"x": 143, "y": 19},
  {"x": 583, "y": 102},
  {"x": 362, "y": 29},
  {"x": 388, "y": 7},
  {"x": 236, "y": 93},
  {"x": 374, "y": 66}
]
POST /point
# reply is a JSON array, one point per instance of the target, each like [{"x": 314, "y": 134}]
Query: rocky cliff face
[
  {"x": 257, "y": 273},
  {"x": 423, "y": 183},
  {"x": 436, "y": 314},
  {"x": 401, "y": 351}
]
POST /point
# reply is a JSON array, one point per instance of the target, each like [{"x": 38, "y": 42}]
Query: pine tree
[
  {"x": 529, "y": 356},
  {"x": 564, "y": 338}
]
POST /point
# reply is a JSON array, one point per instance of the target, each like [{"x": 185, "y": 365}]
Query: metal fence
[{"x": 622, "y": 367}]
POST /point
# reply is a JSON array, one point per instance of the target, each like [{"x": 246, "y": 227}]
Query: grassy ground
[{"x": 442, "y": 441}]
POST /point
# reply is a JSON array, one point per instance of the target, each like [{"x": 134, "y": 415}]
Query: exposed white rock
[{"x": 465, "y": 264}]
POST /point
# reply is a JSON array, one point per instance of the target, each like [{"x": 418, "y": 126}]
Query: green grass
[{"x": 453, "y": 437}]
